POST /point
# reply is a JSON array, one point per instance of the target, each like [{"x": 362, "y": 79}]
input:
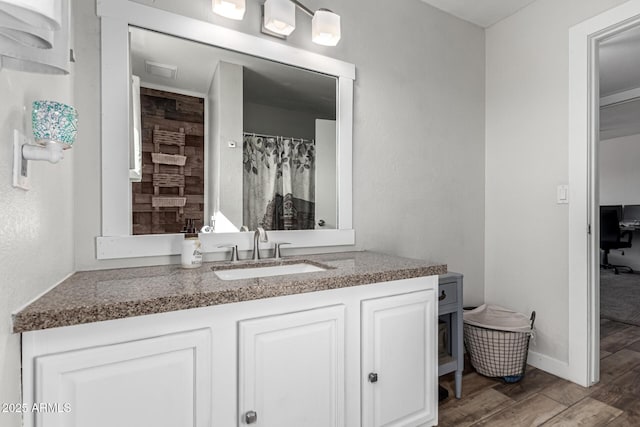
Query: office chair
[
  {"x": 617, "y": 208},
  {"x": 611, "y": 237}
]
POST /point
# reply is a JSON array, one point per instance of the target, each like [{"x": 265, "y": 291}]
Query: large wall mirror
[
  {"x": 224, "y": 129},
  {"x": 254, "y": 140}
]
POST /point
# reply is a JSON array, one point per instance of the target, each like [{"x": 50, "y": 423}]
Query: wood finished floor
[{"x": 541, "y": 399}]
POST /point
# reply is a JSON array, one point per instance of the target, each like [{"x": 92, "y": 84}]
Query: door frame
[{"x": 584, "y": 253}]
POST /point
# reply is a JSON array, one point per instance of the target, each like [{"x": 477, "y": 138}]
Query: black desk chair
[{"x": 611, "y": 237}]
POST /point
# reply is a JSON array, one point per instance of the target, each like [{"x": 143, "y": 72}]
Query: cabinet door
[
  {"x": 156, "y": 382},
  {"x": 399, "y": 364},
  {"x": 291, "y": 369}
]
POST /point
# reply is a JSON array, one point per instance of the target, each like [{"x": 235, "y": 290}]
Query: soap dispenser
[{"x": 191, "y": 246}]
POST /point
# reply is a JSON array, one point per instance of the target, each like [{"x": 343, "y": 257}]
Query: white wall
[
  {"x": 418, "y": 129},
  {"x": 36, "y": 226},
  {"x": 225, "y": 163},
  {"x": 326, "y": 202},
  {"x": 619, "y": 185},
  {"x": 526, "y": 241},
  {"x": 619, "y": 160}
]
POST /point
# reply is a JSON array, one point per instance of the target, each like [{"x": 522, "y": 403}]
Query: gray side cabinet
[{"x": 450, "y": 312}]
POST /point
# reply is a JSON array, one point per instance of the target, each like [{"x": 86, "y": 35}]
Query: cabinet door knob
[
  {"x": 442, "y": 296},
  {"x": 373, "y": 377},
  {"x": 250, "y": 417}
]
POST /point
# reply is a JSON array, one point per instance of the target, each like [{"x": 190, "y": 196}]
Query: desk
[
  {"x": 629, "y": 226},
  {"x": 450, "y": 312}
]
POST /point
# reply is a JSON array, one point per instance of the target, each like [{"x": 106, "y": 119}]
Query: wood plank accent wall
[{"x": 161, "y": 213}]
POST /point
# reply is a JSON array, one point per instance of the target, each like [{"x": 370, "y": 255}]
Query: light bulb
[
  {"x": 325, "y": 28},
  {"x": 232, "y": 9},
  {"x": 280, "y": 16}
]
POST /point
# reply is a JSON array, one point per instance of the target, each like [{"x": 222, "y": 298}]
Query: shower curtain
[{"x": 278, "y": 182}]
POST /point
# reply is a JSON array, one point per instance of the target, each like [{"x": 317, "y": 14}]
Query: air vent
[{"x": 161, "y": 70}]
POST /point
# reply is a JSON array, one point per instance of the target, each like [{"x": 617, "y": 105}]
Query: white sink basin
[{"x": 275, "y": 270}]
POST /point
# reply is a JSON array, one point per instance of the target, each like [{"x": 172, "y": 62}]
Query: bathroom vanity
[
  {"x": 334, "y": 340},
  {"x": 353, "y": 344}
]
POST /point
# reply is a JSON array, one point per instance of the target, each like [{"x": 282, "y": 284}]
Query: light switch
[{"x": 563, "y": 194}]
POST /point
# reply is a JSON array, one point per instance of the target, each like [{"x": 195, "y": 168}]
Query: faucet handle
[
  {"x": 234, "y": 251},
  {"x": 276, "y": 250},
  {"x": 262, "y": 234}
]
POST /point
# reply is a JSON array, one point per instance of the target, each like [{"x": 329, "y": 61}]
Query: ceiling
[
  {"x": 264, "y": 82},
  {"x": 483, "y": 13}
]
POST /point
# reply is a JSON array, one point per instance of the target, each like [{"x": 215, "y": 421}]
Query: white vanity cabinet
[
  {"x": 291, "y": 369},
  {"x": 399, "y": 372},
  {"x": 295, "y": 360},
  {"x": 162, "y": 382}
]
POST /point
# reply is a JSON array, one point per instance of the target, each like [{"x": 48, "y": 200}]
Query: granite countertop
[{"x": 93, "y": 296}]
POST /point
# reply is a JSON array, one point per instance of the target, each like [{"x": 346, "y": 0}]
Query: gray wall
[
  {"x": 419, "y": 135},
  {"x": 418, "y": 128},
  {"x": 269, "y": 120}
]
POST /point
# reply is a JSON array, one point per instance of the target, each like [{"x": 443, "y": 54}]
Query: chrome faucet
[{"x": 259, "y": 236}]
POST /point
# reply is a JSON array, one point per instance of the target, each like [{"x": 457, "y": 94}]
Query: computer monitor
[
  {"x": 631, "y": 213},
  {"x": 616, "y": 208}
]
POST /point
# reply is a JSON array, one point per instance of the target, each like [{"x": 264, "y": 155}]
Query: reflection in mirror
[{"x": 230, "y": 140}]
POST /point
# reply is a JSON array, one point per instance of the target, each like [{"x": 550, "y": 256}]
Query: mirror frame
[{"x": 116, "y": 240}]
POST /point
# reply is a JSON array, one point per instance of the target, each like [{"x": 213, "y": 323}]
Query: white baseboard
[{"x": 548, "y": 364}]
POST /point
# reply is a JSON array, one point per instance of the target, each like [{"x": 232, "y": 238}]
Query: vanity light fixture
[
  {"x": 279, "y": 20},
  {"x": 54, "y": 129},
  {"x": 325, "y": 28},
  {"x": 280, "y": 16},
  {"x": 232, "y": 9}
]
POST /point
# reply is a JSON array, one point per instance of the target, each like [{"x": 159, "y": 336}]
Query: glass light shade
[
  {"x": 54, "y": 122},
  {"x": 280, "y": 16},
  {"x": 325, "y": 28},
  {"x": 24, "y": 33},
  {"x": 37, "y": 13},
  {"x": 232, "y": 9}
]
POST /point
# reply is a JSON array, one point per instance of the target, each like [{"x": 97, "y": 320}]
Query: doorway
[
  {"x": 584, "y": 221},
  {"x": 618, "y": 157}
]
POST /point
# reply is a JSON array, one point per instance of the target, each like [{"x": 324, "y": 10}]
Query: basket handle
[{"x": 533, "y": 318}]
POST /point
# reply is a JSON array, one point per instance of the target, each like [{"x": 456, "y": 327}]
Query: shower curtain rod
[{"x": 275, "y": 136}]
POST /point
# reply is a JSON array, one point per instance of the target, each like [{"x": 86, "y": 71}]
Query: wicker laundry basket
[{"x": 497, "y": 340}]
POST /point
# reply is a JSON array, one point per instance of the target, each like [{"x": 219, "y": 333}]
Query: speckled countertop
[{"x": 93, "y": 296}]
